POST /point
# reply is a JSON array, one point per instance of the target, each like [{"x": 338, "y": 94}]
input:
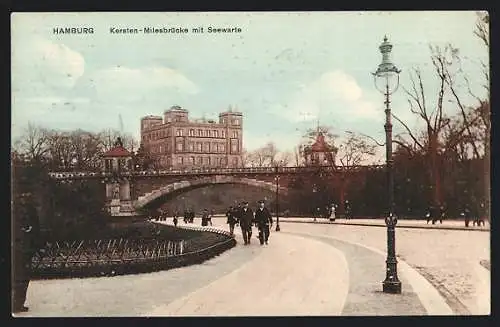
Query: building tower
[
  {"x": 233, "y": 125},
  {"x": 118, "y": 191},
  {"x": 320, "y": 153}
]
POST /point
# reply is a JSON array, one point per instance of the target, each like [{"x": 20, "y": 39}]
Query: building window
[
  {"x": 222, "y": 147},
  {"x": 191, "y": 147},
  {"x": 223, "y": 120},
  {"x": 191, "y": 132},
  {"x": 179, "y": 146},
  {"x": 206, "y": 147},
  {"x": 234, "y": 146},
  {"x": 215, "y": 147},
  {"x": 180, "y": 161},
  {"x": 236, "y": 122},
  {"x": 200, "y": 161},
  {"x": 235, "y": 134},
  {"x": 200, "y": 133},
  {"x": 235, "y": 162},
  {"x": 198, "y": 146},
  {"x": 191, "y": 160},
  {"x": 206, "y": 161},
  {"x": 223, "y": 133}
]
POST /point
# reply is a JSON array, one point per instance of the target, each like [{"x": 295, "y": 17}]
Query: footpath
[
  {"x": 402, "y": 223},
  {"x": 295, "y": 275}
]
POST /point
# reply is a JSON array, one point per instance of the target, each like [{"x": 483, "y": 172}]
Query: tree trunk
[{"x": 342, "y": 195}]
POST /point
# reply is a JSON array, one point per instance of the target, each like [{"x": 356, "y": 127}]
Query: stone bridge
[
  {"x": 162, "y": 188},
  {"x": 128, "y": 191}
]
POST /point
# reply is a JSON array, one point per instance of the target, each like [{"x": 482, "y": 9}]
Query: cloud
[
  {"x": 129, "y": 84},
  {"x": 39, "y": 65},
  {"x": 334, "y": 94}
]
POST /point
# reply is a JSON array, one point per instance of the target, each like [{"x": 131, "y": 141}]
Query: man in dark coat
[
  {"x": 231, "y": 220},
  {"x": 263, "y": 219},
  {"x": 246, "y": 219},
  {"x": 176, "y": 219},
  {"x": 26, "y": 233},
  {"x": 204, "y": 218},
  {"x": 466, "y": 213},
  {"x": 237, "y": 213}
]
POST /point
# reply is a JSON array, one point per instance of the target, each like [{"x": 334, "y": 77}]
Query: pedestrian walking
[
  {"x": 26, "y": 236},
  {"x": 442, "y": 213},
  {"x": 348, "y": 210},
  {"x": 212, "y": 213},
  {"x": 466, "y": 214},
  {"x": 478, "y": 214},
  {"x": 263, "y": 220},
  {"x": 246, "y": 219},
  {"x": 191, "y": 216},
  {"x": 431, "y": 214},
  {"x": 237, "y": 213},
  {"x": 231, "y": 219},
  {"x": 204, "y": 218},
  {"x": 186, "y": 216},
  {"x": 175, "y": 218},
  {"x": 332, "y": 212}
]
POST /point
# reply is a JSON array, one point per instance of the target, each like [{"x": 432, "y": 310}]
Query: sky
[{"x": 283, "y": 71}]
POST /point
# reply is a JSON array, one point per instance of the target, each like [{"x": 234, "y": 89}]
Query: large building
[{"x": 175, "y": 141}]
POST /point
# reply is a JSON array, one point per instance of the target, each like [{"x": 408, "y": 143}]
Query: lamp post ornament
[{"x": 388, "y": 73}]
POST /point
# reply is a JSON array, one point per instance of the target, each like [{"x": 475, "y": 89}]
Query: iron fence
[{"x": 109, "y": 257}]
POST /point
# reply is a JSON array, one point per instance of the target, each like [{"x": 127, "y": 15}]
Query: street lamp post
[
  {"x": 387, "y": 81},
  {"x": 277, "y": 200}
]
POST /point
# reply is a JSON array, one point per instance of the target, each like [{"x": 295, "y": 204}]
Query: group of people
[
  {"x": 206, "y": 217},
  {"x": 246, "y": 218},
  {"x": 189, "y": 216},
  {"x": 475, "y": 213},
  {"x": 330, "y": 211}
]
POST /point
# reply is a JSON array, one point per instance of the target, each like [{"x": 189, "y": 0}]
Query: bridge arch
[{"x": 185, "y": 185}]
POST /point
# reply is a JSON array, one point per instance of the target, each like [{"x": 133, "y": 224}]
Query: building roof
[
  {"x": 117, "y": 151},
  {"x": 320, "y": 144}
]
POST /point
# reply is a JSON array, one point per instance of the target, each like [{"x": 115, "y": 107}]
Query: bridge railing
[{"x": 213, "y": 171}]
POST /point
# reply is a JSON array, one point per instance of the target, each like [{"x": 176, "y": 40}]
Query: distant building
[
  {"x": 320, "y": 153},
  {"x": 175, "y": 141}
]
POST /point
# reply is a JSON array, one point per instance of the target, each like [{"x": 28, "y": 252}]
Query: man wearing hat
[
  {"x": 26, "y": 230},
  {"x": 246, "y": 219},
  {"x": 263, "y": 220}
]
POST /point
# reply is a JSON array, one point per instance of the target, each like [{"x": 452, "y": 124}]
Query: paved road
[{"x": 339, "y": 273}]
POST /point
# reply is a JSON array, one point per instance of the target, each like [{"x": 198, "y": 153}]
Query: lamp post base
[
  {"x": 391, "y": 287},
  {"x": 278, "y": 228}
]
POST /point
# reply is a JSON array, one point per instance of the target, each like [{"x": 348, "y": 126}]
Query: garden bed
[{"x": 135, "y": 248}]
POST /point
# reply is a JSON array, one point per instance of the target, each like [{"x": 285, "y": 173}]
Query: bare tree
[
  {"x": 245, "y": 158},
  {"x": 298, "y": 157},
  {"x": 432, "y": 115},
  {"x": 259, "y": 157},
  {"x": 352, "y": 152},
  {"x": 270, "y": 152},
  {"x": 33, "y": 143},
  {"x": 284, "y": 159},
  {"x": 86, "y": 149},
  {"x": 109, "y": 136}
]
